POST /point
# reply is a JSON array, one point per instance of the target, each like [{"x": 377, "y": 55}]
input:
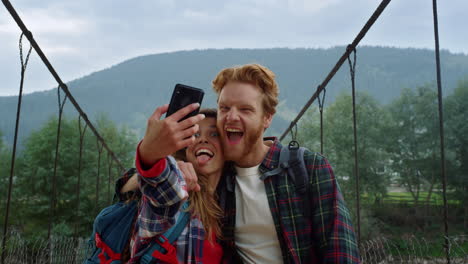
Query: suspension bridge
[{"x": 55, "y": 249}]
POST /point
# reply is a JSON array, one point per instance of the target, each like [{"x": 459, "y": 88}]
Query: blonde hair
[
  {"x": 204, "y": 203},
  {"x": 256, "y": 75}
]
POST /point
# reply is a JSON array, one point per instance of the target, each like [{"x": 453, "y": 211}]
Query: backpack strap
[
  {"x": 107, "y": 255},
  {"x": 174, "y": 232},
  {"x": 298, "y": 172},
  {"x": 283, "y": 164},
  {"x": 162, "y": 248},
  {"x": 291, "y": 160}
]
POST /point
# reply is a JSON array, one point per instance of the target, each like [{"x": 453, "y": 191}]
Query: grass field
[{"x": 407, "y": 198}]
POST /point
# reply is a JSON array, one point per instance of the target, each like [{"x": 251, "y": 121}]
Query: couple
[{"x": 237, "y": 213}]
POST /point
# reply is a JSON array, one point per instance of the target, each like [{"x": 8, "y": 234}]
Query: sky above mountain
[{"x": 80, "y": 37}]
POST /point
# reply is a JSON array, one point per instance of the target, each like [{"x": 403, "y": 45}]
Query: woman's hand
[{"x": 164, "y": 137}]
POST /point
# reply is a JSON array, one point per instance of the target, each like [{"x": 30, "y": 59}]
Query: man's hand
[
  {"x": 190, "y": 175},
  {"x": 164, "y": 137}
]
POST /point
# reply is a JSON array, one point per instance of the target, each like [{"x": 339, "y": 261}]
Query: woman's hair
[
  {"x": 203, "y": 203},
  {"x": 255, "y": 74}
]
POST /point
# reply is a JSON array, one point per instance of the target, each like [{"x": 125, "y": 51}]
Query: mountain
[{"x": 129, "y": 92}]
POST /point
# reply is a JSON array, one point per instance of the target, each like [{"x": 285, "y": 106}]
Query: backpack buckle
[
  {"x": 107, "y": 255},
  {"x": 170, "y": 255},
  {"x": 284, "y": 165},
  {"x": 293, "y": 145}
]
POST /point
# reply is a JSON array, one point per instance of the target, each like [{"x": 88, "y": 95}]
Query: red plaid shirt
[{"x": 326, "y": 237}]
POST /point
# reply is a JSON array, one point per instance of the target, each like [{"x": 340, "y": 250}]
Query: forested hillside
[{"x": 129, "y": 92}]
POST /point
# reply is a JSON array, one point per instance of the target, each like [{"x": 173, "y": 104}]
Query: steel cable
[
  {"x": 352, "y": 72},
  {"x": 441, "y": 129},
  {"x": 53, "y": 200},
  {"x": 24, "y": 64}
]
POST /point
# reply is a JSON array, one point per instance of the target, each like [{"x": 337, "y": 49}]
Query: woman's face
[{"x": 206, "y": 154}]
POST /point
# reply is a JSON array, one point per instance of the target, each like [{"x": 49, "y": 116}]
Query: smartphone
[{"x": 182, "y": 96}]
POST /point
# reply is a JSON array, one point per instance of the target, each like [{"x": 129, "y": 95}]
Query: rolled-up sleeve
[
  {"x": 330, "y": 216},
  {"x": 163, "y": 190}
]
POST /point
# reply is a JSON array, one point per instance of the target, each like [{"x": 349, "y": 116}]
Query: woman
[{"x": 164, "y": 189}]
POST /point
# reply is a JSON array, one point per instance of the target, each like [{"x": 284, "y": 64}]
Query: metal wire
[
  {"x": 109, "y": 184},
  {"x": 24, "y": 64},
  {"x": 82, "y": 131},
  {"x": 441, "y": 129},
  {"x": 412, "y": 249},
  {"x": 53, "y": 200},
  {"x": 57, "y": 78},
  {"x": 321, "y": 102},
  {"x": 99, "y": 148},
  {"x": 352, "y": 72},
  {"x": 338, "y": 65}
]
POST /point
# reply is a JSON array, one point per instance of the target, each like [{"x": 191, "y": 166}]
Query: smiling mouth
[
  {"x": 204, "y": 155},
  {"x": 234, "y": 135}
]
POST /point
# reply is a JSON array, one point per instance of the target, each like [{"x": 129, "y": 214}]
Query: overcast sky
[{"x": 81, "y": 37}]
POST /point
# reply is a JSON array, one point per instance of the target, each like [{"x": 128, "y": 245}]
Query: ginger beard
[{"x": 239, "y": 144}]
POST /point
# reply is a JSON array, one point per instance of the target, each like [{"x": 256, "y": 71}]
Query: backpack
[
  {"x": 291, "y": 161},
  {"x": 111, "y": 234}
]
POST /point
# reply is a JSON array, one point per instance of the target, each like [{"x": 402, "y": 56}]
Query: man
[{"x": 264, "y": 222}]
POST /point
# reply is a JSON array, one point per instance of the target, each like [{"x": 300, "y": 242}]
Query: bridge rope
[
  {"x": 61, "y": 87},
  {"x": 57, "y": 78},
  {"x": 81, "y": 131},
  {"x": 441, "y": 129},
  {"x": 99, "y": 149},
  {"x": 352, "y": 72},
  {"x": 53, "y": 200},
  {"x": 24, "y": 64},
  {"x": 321, "y": 102},
  {"x": 109, "y": 174},
  {"x": 321, "y": 87},
  {"x": 338, "y": 65}
]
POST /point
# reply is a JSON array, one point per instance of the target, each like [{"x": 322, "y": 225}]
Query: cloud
[
  {"x": 80, "y": 37},
  {"x": 6, "y": 27},
  {"x": 56, "y": 22},
  {"x": 309, "y": 7},
  {"x": 50, "y": 20}
]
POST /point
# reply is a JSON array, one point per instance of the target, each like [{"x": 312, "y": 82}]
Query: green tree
[
  {"x": 457, "y": 143},
  {"x": 338, "y": 143},
  {"x": 5, "y": 161},
  {"x": 35, "y": 170},
  {"x": 413, "y": 140}
]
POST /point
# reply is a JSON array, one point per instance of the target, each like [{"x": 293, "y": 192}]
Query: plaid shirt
[
  {"x": 163, "y": 190},
  {"x": 326, "y": 237}
]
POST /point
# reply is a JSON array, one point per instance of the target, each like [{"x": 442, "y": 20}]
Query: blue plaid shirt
[{"x": 163, "y": 190}]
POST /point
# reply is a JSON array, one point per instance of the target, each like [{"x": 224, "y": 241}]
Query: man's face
[
  {"x": 206, "y": 153},
  {"x": 241, "y": 119}
]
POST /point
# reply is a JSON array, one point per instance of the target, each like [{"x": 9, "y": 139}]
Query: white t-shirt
[{"x": 255, "y": 232}]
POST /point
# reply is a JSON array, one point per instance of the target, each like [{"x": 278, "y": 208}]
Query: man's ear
[{"x": 267, "y": 118}]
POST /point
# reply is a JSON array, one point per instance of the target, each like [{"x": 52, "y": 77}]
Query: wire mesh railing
[
  {"x": 382, "y": 250},
  {"x": 56, "y": 250},
  {"x": 414, "y": 249}
]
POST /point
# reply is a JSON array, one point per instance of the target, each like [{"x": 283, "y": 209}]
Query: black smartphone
[{"x": 182, "y": 96}]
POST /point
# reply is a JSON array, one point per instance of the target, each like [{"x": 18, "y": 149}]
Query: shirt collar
[{"x": 270, "y": 162}]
